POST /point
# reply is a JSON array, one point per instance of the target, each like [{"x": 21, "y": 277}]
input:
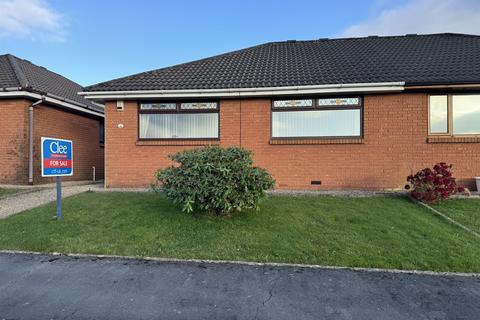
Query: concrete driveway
[
  {"x": 57, "y": 287},
  {"x": 37, "y": 196}
]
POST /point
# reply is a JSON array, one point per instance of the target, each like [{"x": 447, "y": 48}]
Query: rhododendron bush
[
  {"x": 214, "y": 179},
  {"x": 433, "y": 185}
]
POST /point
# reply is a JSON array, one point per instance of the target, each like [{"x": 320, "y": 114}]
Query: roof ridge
[
  {"x": 378, "y": 36},
  {"x": 21, "y": 78},
  {"x": 42, "y": 67}
]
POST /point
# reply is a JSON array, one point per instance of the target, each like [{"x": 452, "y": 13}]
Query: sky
[{"x": 90, "y": 41}]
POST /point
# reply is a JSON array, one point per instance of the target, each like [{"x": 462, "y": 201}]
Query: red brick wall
[
  {"x": 83, "y": 131},
  {"x": 13, "y": 141},
  {"x": 394, "y": 145},
  {"x": 48, "y": 122}
]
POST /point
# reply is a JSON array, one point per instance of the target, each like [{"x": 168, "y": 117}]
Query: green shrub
[{"x": 214, "y": 179}]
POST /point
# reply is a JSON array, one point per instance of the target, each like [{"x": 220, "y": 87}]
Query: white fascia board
[
  {"x": 249, "y": 92},
  {"x": 26, "y": 94}
]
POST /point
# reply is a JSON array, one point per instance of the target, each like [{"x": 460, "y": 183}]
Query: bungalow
[
  {"x": 354, "y": 113},
  {"x": 34, "y": 103}
]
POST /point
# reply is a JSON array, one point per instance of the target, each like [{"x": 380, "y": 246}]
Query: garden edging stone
[{"x": 247, "y": 263}]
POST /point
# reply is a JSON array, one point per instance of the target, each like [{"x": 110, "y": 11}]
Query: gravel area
[
  {"x": 35, "y": 196},
  {"x": 25, "y": 201},
  {"x": 336, "y": 193},
  {"x": 124, "y": 190},
  {"x": 50, "y": 185},
  {"x": 339, "y": 193}
]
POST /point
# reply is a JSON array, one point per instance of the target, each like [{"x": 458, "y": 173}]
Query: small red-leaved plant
[{"x": 430, "y": 186}]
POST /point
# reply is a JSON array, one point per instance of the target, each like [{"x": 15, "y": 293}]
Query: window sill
[
  {"x": 178, "y": 142},
  {"x": 280, "y": 141},
  {"x": 474, "y": 139}
]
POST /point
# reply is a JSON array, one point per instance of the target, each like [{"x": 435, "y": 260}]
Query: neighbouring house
[
  {"x": 35, "y": 103},
  {"x": 354, "y": 113}
]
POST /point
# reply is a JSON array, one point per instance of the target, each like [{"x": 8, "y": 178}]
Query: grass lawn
[
  {"x": 385, "y": 232},
  {"x": 8, "y": 191},
  {"x": 465, "y": 211}
]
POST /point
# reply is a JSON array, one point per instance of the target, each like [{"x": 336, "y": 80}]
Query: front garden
[
  {"x": 212, "y": 205},
  {"x": 383, "y": 232}
]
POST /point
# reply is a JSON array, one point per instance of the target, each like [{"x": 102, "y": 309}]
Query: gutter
[
  {"x": 30, "y": 139},
  {"x": 445, "y": 86},
  {"x": 65, "y": 103},
  {"x": 248, "y": 92}
]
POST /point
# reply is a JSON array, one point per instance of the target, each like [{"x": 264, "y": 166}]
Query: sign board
[{"x": 57, "y": 157}]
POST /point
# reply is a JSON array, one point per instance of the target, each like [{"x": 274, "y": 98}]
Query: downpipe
[{"x": 30, "y": 139}]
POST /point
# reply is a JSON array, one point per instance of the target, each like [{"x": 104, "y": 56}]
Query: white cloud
[
  {"x": 31, "y": 19},
  {"x": 421, "y": 16}
]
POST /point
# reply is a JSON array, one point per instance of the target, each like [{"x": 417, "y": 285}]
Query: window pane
[
  {"x": 198, "y": 105},
  {"x": 319, "y": 123},
  {"x": 438, "y": 114},
  {"x": 179, "y": 125},
  {"x": 466, "y": 114},
  {"x": 101, "y": 129},
  {"x": 292, "y": 103},
  {"x": 338, "y": 102},
  {"x": 158, "y": 106}
]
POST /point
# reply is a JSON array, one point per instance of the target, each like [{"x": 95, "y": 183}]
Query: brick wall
[
  {"x": 48, "y": 122},
  {"x": 13, "y": 141},
  {"x": 83, "y": 131},
  {"x": 393, "y": 146}
]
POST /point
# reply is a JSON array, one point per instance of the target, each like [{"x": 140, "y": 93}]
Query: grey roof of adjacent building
[
  {"x": 21, "y": 75},
  {"x": 445, "y": 58}
]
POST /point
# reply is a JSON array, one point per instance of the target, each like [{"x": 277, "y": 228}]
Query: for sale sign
[{"x": 57, "y": 157}]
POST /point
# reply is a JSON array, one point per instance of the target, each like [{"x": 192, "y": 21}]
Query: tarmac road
[{"x": 60, "y": 287}]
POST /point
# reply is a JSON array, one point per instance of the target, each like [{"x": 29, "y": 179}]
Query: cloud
[
  {"x": 31, "y": 19},
  {"x": 421, "y": 16}
]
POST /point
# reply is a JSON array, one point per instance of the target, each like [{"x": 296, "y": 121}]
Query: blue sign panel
[{"x": 57, "y": 157}]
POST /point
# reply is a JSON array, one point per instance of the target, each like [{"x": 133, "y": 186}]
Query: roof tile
[
  {"x": 414, "y": 59},
  {"x": 19, "y": 73}
]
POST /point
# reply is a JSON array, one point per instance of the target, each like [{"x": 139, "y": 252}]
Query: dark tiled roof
[
  {"x": 19, "y": 73},
  {"x": 8, "y": 78},
  {"x": 414, "y": 59}
]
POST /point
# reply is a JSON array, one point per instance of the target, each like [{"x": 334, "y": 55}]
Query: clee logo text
[{"x": 56, "y": 148}]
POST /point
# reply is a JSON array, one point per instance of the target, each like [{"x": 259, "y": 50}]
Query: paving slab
[{"x": 63, "y": 287}]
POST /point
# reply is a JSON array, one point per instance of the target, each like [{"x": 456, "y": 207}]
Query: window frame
[
  {"x": 317, "y": 107},
  {"x": 178, "y": 110},
  {"x": 449, "y": 132}
]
